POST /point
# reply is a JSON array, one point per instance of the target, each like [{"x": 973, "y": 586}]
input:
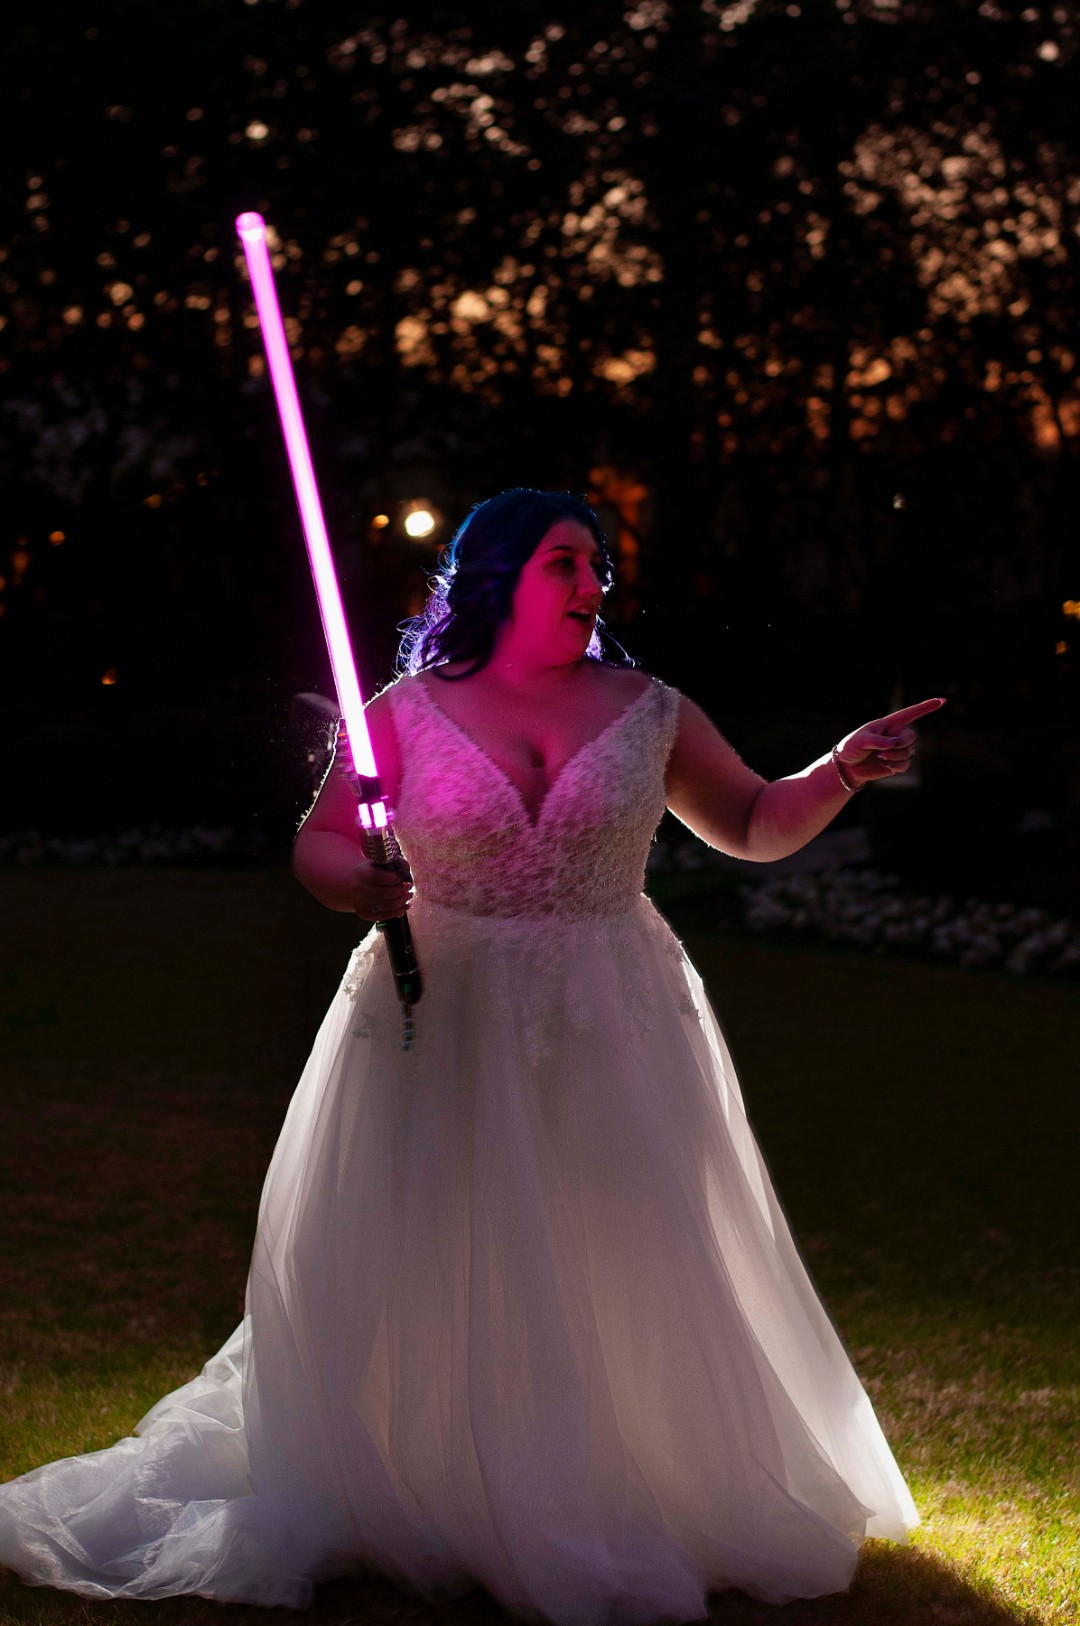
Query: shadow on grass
[{"x": 894, "y": 1586}]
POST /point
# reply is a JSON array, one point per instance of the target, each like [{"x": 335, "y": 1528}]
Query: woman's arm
[
  {"x": 718, "y": 797},
  {"x": 709, "y": 787},
  {"x": 789, "y": 812},
  {"x": 327, "y": 857}
]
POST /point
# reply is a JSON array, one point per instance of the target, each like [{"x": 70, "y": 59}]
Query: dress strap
[
  {"x": 416, "y": 723},
  {"x": 667, "y": 721},
  {"x": 415, "y": 714}
]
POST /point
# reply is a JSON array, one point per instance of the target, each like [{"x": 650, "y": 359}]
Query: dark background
[{"x": 790, "y": 290}]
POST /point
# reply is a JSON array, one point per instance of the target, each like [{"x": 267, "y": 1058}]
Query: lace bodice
[{"x": 469, "y": 838}]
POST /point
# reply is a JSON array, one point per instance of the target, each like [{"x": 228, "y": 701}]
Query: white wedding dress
[{"x": 523, "y": 1309}]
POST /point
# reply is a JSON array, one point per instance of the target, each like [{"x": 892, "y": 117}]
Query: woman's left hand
[{"x": 884, "y": 747}]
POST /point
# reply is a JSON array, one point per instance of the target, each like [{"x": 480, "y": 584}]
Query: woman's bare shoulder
[{"x": 627, "y": 681}]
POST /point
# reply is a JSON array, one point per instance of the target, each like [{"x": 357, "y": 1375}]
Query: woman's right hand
[{"x": 379, "y": 894}]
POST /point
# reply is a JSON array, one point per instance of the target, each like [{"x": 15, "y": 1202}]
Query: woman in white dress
[{"x": 523, "y": 1309}]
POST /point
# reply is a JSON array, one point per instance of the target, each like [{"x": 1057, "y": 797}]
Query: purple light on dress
[{"x": 252, "y": 230}]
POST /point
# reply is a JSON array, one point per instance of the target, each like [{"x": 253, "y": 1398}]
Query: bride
[{"x": 523, "y": 1308}]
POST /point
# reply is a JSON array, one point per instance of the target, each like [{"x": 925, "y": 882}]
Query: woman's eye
[{"x": 566, "y": 563}]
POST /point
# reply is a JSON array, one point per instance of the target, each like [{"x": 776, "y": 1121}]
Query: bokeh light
[{"x": 419, "y": 522}]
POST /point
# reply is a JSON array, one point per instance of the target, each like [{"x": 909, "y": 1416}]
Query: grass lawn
[{"x": 921, "y": 1122}]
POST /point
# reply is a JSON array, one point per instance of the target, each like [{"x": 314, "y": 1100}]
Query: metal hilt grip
[{"x": 380, "y": 847}]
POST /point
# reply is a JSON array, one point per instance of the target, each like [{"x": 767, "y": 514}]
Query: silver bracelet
[{"x": 844, "y": 780}]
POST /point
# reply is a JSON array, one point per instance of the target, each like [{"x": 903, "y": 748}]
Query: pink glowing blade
[{"x": 252, "y": 230}]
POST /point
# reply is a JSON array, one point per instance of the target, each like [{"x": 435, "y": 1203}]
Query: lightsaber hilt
[{"x": 379, "y": 845}]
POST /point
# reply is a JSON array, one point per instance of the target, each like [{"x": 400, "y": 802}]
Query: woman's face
[{"x": 558, "y": 594}]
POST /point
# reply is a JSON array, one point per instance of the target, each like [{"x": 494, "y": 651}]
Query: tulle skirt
[{"x": 523, "y": 1310}]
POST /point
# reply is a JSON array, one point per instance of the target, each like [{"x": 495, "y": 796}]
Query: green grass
[{"x": 920, "y": 1120}]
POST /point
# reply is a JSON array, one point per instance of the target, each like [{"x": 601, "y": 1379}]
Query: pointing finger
[{"x": 909, "y": 714}]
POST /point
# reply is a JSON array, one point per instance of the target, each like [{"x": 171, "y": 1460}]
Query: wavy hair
[{"x": 472, "y": 590}]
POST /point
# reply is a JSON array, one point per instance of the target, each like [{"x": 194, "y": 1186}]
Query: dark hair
[{"x": 472, "y": 590}]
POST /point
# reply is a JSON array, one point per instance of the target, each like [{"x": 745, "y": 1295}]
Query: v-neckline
[{"x": 515, "y": 789}]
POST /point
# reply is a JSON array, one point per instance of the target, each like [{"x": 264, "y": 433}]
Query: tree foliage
[{"x": 800, "y": 278}]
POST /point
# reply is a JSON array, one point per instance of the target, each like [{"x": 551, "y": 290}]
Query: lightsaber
[{"x": 375, "y": 819}]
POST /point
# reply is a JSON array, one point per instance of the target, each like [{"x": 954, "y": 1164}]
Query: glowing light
[
  {"x": 1061, "y": 647},
  {"x": 381, "y": 521},
  {"x": 252, "y": 230},
  {"x": 420, "y": 522},
  {"x": 373, "y": 815},
  {"x": 109, "y": 678},
  {"x": 350, "y": 342},
  {"x": 257, "y": 130},
  {"x": 56, "y": 537},
  {"x": 1071, "y": 607}
]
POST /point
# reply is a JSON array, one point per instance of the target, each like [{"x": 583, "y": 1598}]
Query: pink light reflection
[{"x": 252, "y": 230}]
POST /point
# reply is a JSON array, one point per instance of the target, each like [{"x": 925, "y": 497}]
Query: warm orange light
[
  {"x": 56, "y": 537},
  {"x": 153, "y": 501},
  {"x": 625, "y": 493},
  {"x": 1071, "y": 607},
  {"x": 1061, "y": 647},
  {"x": 381, "y": 521},
  {"x": 109, "y": 678}
]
